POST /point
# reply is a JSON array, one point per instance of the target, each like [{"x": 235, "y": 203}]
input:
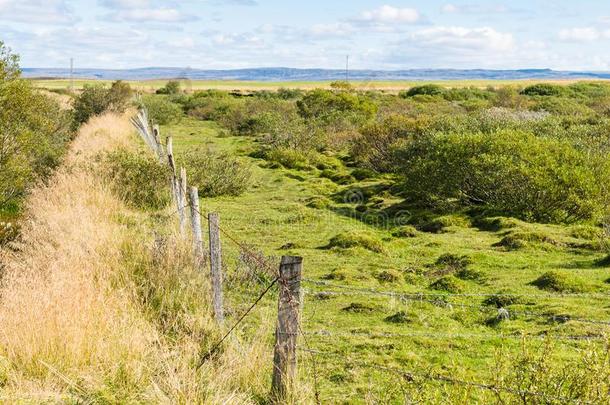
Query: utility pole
[
  {"x": 347, "y": 69},
  {"x": 71, "y": 75}
]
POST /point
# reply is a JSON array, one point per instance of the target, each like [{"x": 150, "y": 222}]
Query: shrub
[
  {"x": 161, "y": 110},
  {"x": 543, "y": 89},
  {"x": 375, "y": 146},
  {"x": 216, "y": 174},
  {"x": 353, "y": 239},
  {"x": 170, "y": 88},
  {"x": 138, "y": 178},
  {"x": 97, "y": 99},
  {"x": 319, "y": 103},
  {"x": 560, "y": 282},
  {"x": 509, "y": 172},
  {"x": 34, "y": 132},
  {"x": 424, "y": 90}
]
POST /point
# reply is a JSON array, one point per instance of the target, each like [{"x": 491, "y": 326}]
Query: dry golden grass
[{"x": 92, "y": 310}]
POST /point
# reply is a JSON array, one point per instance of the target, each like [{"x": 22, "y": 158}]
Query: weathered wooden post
[
  {"x": 286, "y": 332},
  {"x": 169, "y": 145},
  {"x": 216, "y": 265},
  {"x": 198, "y": 251},
  {"x": 157, "y": 137},
  {"x": 182, "y": 186}
]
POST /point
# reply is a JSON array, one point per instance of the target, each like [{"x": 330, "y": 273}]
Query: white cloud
[
  {"x": 460, "y": 38},
  {"x": 331, "y": 30},
  {"x": 37, "y": 11},
  {"x": 122, "y": 4},
  {"x": 164, "y": 15},
  {"x": 450, "y": 8},
  {"x": 584, "y": 34},
  {"x": 388, "y": 14}
]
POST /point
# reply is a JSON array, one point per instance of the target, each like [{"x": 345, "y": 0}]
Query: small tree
[
  {"x": 171, "y": 87},
  {"x": 96, "y": 99}
]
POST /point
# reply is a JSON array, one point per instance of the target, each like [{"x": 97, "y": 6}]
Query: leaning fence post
[
  {"x": 196, "y": 226},
  {"x": 182, "y": 185},
  {"x": 286, "y": 332},
  {"x": 216, "y": 265},
  {"x": 169, "y": 146}
]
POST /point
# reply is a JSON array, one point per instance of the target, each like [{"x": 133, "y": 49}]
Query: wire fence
[{"x": 446, "y": 300}]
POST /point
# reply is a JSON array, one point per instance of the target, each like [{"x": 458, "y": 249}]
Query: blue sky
[{"x": 215, "y": 34}]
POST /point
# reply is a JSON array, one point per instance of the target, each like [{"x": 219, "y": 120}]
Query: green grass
[{"x": 277, "y": 217}]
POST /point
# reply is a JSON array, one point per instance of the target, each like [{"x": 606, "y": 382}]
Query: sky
[{"x": 388, "y": 35}]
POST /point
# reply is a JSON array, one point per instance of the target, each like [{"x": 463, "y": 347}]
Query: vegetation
[
  {"x": 97, "y": 99},
  {"x": 215, "y": 174},
  {"x": 454, "y": 233},
  {"x": 34, "y": 132},
  {"x": 137, "y": 178}
]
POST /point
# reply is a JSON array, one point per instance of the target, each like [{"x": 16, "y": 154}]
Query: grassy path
[{"x": 273, "y": 217}]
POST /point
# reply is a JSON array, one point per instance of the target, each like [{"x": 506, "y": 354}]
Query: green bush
[
  {"x": 161, "y": 110},
  {"x": 424, "y": 90},
  {"x": 214, "y": 173},
  {"x": 97, "y": 99},
  {"x": 34, "y": 133},
  {"x": 508, "y": 172},
  {"x": 170, "y": 88},
  {"x": 543, "y": 89},
  {"x": 319, "y": 103},
  {"x": 138, "y": 178}
]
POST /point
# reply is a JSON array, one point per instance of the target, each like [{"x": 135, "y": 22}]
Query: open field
[
  {"x": 229, "y": 85},
  {"x": 456, "y": 338}
]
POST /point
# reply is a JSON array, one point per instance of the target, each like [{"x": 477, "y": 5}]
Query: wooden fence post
[
  {"x": 157, "y": 136},
  {"x": 182, "y": 189},
  {"x": 169, "y": 146},
  {"x": 287, "y": 329},
  {"x": 216, "y": 265},
  {"x": 198, "y": 251}
]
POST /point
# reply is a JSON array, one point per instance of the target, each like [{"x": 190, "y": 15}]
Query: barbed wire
[
  {"x": 465, "y": 295},
  {"x": 411, "y": 376},
  {"x": 374, "y": 335},
  {"x": 479, "y": 308},
  {"x": 214, "y": 348}
]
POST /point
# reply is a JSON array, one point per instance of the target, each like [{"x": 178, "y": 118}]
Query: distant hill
[{"x": 289, "y": 74}]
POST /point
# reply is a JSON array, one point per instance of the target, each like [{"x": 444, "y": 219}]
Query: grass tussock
[{"x": 91, "y": 310}]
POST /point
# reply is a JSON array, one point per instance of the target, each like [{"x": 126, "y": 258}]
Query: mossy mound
[
  {"x": 502, "y": 299},
  {"x": 406, "y": 231},
  {"x": 448, "y": 284},
  {"x": 522, "y": 239},
  {"x": 560, "y": 282},
  {"x": 388, "y": 276},
  {"x": 440, "y": 224},
  {"x": 358, "y": 308},
  {"x": 495, "y": 224},
  {"x": 398, "y": 317},
  {"x": 318, "y": 203},
  {"x": 354, "y": 239},
  {"x": 586, "y": 232}
]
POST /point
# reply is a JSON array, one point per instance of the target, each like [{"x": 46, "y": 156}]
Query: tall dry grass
[{"x": 92, "y": 310}]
